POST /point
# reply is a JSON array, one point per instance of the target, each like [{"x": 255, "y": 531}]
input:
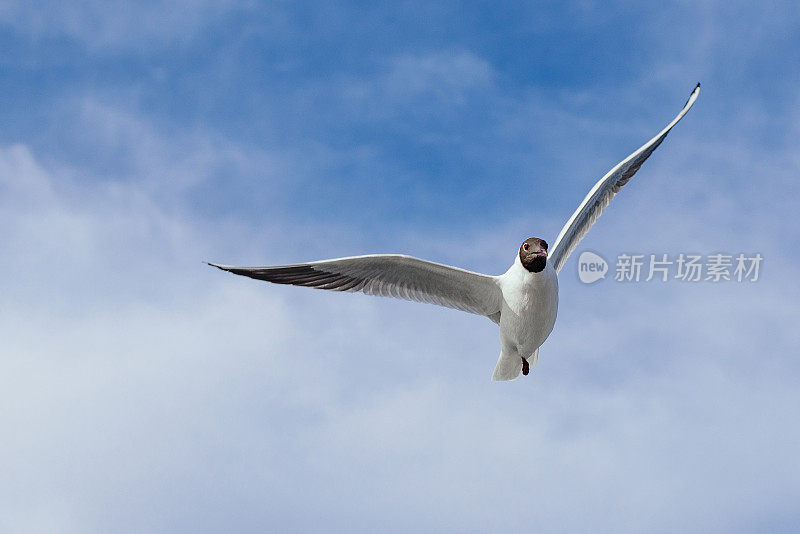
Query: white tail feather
[{"x": 509, "y": 366}]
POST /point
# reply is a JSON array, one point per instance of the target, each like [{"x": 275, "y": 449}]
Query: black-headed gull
[{"x": 523, "y": 301}]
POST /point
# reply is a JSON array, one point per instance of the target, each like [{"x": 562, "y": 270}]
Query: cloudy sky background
[{"x": 144, "y": 391}]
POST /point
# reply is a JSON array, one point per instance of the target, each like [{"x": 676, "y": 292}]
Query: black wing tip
[
  {"x": 220, "y": 267},
  {"x": 696, "y": 88}
]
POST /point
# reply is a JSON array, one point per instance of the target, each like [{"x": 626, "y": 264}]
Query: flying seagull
[{"x": 523, "y": 301}]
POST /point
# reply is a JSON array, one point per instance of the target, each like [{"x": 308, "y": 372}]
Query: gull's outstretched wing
[
  {"x": 604, "y": 190},
  {"x": 390, "y": 275}
]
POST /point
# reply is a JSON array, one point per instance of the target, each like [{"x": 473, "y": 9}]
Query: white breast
[{"x": 529, "y": 308}]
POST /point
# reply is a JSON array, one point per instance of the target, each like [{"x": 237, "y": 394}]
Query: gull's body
[
  {"x": 523, "y": 300},
  {"x": 529, "y": 308}
]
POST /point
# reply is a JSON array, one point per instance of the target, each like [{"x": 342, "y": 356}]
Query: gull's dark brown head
[{"x": 533, "y": 254}]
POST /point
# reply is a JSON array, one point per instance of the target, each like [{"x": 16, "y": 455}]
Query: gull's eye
[{"x": 525, "y": 246}]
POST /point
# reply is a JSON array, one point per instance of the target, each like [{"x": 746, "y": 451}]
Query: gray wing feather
[
  {"x": 390, "y": 275},
  {"x": 604, "y": 190}
]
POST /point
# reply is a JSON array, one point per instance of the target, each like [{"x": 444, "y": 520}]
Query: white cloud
[
  {"x": 149, "y": 392},
  {"x": 443, "y": 76}
]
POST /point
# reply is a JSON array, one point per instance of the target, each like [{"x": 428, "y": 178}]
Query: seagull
[{"x": 523, "y": 301}]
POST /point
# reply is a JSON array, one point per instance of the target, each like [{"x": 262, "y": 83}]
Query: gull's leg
[{"x": 526, "y": 368}]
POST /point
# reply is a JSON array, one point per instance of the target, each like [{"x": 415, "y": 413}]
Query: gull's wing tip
[
  {"x": 222, "y": 267},
  {"x": 693, "y": 94}
]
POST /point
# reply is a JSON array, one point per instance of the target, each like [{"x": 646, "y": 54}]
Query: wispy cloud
[{"x": 105, "y": 27}]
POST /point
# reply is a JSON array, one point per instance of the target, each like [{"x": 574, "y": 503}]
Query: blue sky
[{"x": 144, "y": 391}]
